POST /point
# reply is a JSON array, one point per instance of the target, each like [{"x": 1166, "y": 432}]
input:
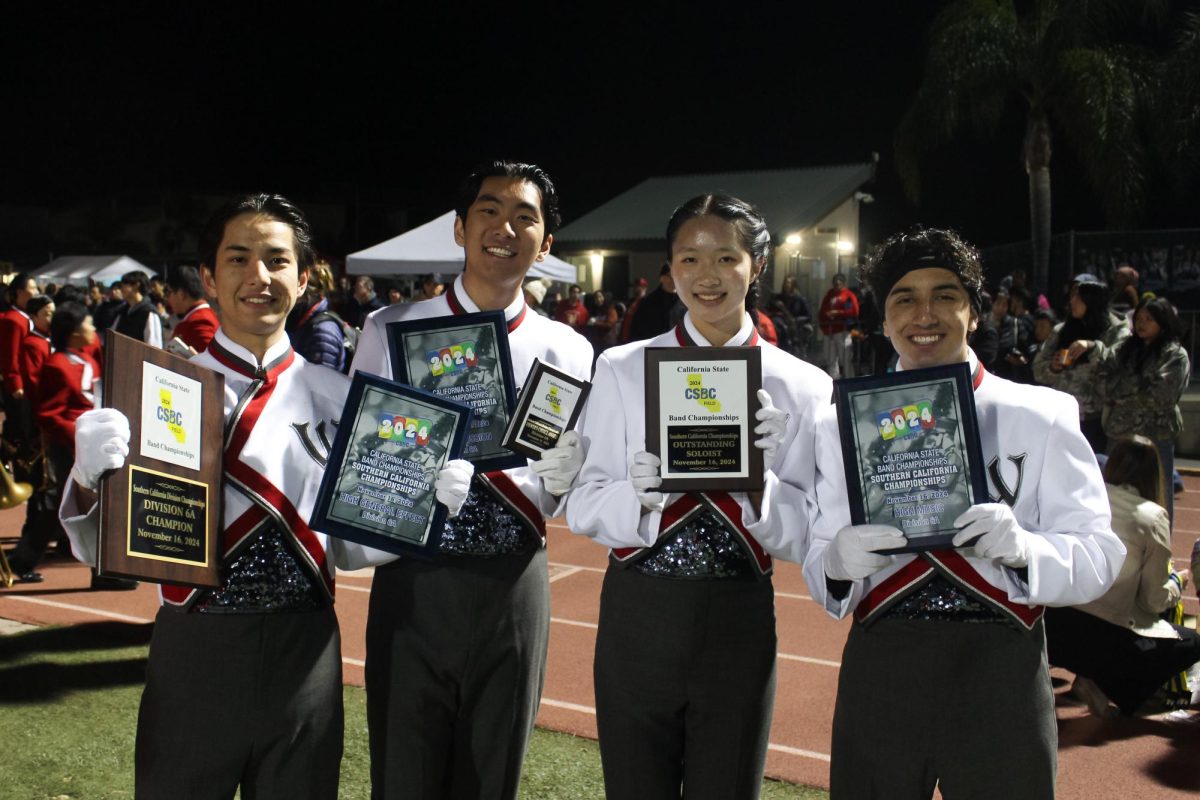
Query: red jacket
[
  {"x": 65, "y": 391},
  {"x": 198, "y": 327},
  {"x": 839, "y": 310},
  {"x": 573, "y": 314},
  {"x": 14, "y": 325},
  {"x": 34, "y": 352},
  {"x": 766, "y": 328}
]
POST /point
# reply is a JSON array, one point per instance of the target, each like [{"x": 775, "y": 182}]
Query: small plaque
[
  {"x": 910, "y": 443},
  {"x": 463, "y": 358},
  {"x": 700, "y": 404},
  {"x": 549, "y": 405},
  {"x": 378, "y": 489},
  {"x": 160, "y": 514}
]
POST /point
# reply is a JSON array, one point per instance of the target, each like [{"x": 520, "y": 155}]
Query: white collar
[
  {"x": 511, "y": 312},
  {"x": 972, "y": 362},
  {"x": 740, "y": 338},
  {"x": 274, "y": 353}
]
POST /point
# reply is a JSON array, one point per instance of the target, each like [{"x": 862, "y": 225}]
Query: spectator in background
[
  {"x": 394, "y": 295},
  {"x": 637, "y": 291},
  {"x": 198, "y": 323},
  {"x": 14, "y": 325},
  {"x": 1141, "y": 380},
  {"x": 1118, "y": 646},
  {"x": 535, "y": 294},
  {"x": 95, "y": 295},
  {"x": 431, "y": 287},
  {"x": 366, "y": 299},
  {"x": 797, "y": 306},
  {"x": 315, "y": 330},
  {"x": 985, "y": 339},
  {"x": 603, "y": 321},
  {"x": 75, "y": 294},
  {"x": 571, "y": 311},
  {"x": 1125, "y": 294},
  {"x": 138, "y": 319},
  {"x": 1063, "y": 361},
  {"x": 106, "y": 311},
  {"x": 654, "y": 313},
  {"x": 837, "y": 315}
]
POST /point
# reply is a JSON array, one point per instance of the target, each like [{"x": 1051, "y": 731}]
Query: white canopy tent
[
  {"x": 430, "y": 249},
  {"x": 78, "y": 269}
]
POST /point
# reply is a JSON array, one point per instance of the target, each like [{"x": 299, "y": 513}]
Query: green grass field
[{"x": 69, "y": 699}]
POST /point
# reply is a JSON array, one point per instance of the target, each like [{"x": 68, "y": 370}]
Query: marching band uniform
[
  {"x": 34, "y": 352},
  {"x": 960, "y": 638},
  {"x": 456, "y": 650},
  {"x": 244, "y": 681},
  {"x": 15, "y": 324},
  {"x": 197, "y": 327},
  {"x": 685, "y": 651}
]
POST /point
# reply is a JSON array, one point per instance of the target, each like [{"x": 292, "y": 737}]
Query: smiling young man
[
  {"x": 243, "y": 684},
  {"x": 456, "y": 650},
  {"x": 944, "y": 677}
]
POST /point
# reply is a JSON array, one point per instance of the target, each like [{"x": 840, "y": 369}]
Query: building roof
[{"x": 790, "y": 199}]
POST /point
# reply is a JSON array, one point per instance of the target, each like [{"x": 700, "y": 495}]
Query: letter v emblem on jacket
[{"x": 1007, "y": 495}]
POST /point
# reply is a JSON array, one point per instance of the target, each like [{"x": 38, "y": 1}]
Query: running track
[{"x": 1152, "y": 757}]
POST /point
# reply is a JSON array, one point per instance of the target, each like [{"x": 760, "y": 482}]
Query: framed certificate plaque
[
  {"x": 549, "y": 405},
  {"x": 378, "y": 489},
  {"x": 700, "y": 404},
  {"x": 910, "y": 445},
  {"x": 160, "y": 514},
  {"x": 463, "y": 358}
]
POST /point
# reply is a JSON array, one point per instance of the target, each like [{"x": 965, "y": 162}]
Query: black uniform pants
[
  {"x": 685, "y": 686},
  {"x": 965, "y": 706},
  {"x": 249, "y": 699},
  {"x": 456, "y": 660}
]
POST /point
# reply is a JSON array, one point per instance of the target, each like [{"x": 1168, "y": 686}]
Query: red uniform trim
[
  {"x": 242, "y": 527},
  {"x": 954, "y": 562},
  {"x": 506, "y": 491},
  {"x": 456, "y": 307},
  {"x": 895, "y": 585}
]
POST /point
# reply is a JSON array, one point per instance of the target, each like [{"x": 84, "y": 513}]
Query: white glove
[
  {"x": 851, "y": 555},
  {"x": 559, "y": 465},
  {"x": 101, "y": 444},
  {"x": 772, "y": 425},
  {"x": 452, "y": 484},
  {"x": 1000, "y": 536},
  {"x": 643, "y": 473}
]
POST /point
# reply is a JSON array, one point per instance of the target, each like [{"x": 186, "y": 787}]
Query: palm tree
[{"x": 1061, "y": 61}]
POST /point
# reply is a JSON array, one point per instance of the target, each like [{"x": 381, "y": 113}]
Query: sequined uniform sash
[{"x": 496, "y": 520}]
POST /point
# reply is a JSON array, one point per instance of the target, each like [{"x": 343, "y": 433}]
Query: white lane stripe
[
  {"x": 779, "y": 748},
  {"x": 807, "y": 660},
  {"x": 363, "y": 589},
  {"x": 796, "y": 751},
  {"x": 72, "y": 607},
  {"x": 353, "y": 661},
  {"x": 576, "y": 567},
  {"x": 566, "y": 573},
  {"x": 574, "y": 622},
  {"x": 791, "y": 596}
]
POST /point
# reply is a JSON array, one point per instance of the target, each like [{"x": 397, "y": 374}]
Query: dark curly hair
[{"x": 922, "y": 248}]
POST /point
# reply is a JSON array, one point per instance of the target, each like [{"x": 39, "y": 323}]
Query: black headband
[{"x": 892, "y": 275}]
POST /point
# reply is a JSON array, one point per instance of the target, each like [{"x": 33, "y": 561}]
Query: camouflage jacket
[
  {"x": 1079, "y": 379},
  {"x": 1145, "y": 401}
]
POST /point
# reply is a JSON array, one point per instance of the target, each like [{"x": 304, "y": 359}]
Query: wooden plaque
[{"x": 160, "y": 514}]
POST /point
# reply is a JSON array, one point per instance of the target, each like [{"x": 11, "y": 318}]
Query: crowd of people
[{"x": 685, "y": 655}]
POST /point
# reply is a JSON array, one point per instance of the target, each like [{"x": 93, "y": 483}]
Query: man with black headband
[{"x": 944, "y": 678}]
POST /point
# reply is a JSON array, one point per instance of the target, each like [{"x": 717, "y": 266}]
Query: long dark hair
[
  {"x": 1134, "y": 352},
  {"x": 751, "y": 229},
  {"x": 1095, "y": 320},
  {"x": 1134, "y": 461}
]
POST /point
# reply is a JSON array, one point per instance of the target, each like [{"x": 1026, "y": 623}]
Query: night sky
[{"x": 393, "y": 107}]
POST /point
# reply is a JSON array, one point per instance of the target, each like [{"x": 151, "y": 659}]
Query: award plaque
[
  {"x": 463, "y": 358},
  {"x": 910, "y": 443},
  {"x": 378, "y": 489},
  {"x": 700, "y": 404},
  {"x": 160, "y": 514},
  {"x": 549, "y": 404}
]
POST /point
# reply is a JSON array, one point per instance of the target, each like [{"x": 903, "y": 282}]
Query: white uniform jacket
[
  {"x": 279, "y": 423},
  {"x": 530, "y": 336},
  {"x": 604, "y": 506},
  {"x": 1038, "y": 462}
]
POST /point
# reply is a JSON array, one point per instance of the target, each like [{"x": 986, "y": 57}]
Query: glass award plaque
[
  {"x": 463, "y": 358},
  {"x": 910, "y": 444},
  {"x": 700, "y": 404},
  {"x": 160, "y": 514},
  {"x": 378, "y": 489},
  {"x": 549, "y": 405}
]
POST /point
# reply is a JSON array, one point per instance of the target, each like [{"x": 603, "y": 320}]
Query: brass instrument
[{"x": 12, "y": 494}]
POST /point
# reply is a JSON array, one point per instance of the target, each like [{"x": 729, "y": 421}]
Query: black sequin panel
[
  {"x": 703, "y": 549},
  {"x": 484, "y": 527},
  {"x": 265, "y": 577},
  {"x": 940, "y": 599}
]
